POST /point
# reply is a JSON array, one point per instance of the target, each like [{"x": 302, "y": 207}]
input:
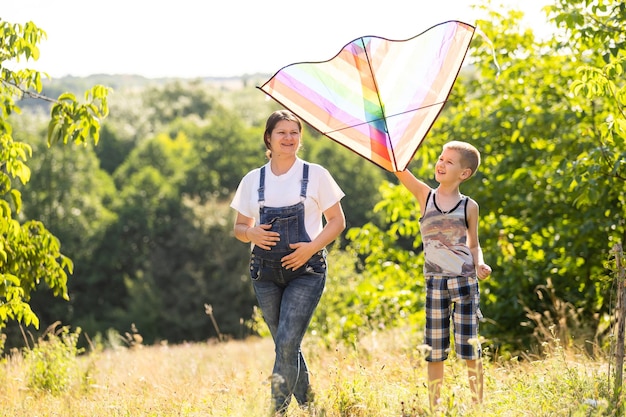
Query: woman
[{"x": 279, "y": 210}]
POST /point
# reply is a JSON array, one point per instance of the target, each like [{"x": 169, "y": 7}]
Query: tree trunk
[{"x": 621, "y": 319}]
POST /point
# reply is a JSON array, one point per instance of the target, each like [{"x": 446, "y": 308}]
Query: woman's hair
[
  {"x": 274, "y": 118},
  {"x": 470, "y": 157}
]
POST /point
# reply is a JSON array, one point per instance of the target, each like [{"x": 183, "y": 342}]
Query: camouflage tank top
[{"x": 444, "y": 235}]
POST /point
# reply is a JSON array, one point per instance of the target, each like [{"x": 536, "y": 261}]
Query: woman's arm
[
  {"x": 242, "y": 224},
  {"x": 335, "y": 224},
  {"x": 245, "y": 231}
]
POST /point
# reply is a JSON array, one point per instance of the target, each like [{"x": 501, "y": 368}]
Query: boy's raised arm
[{"x": 417, "y": 187}]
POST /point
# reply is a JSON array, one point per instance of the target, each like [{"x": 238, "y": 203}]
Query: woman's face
[{"x": 285, "y": 139}]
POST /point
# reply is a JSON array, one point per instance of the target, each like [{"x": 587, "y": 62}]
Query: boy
[{"x": 453, "y": 260}]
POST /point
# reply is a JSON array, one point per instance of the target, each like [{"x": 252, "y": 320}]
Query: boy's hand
[{"x": 483, "y": 271}]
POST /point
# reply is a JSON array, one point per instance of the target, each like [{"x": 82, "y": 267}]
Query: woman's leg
[
  {"x": 288, "y": 312},
  {"x": 300, "y": 299}
]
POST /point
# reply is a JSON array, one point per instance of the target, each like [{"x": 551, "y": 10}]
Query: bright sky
[{"x": 205, "y": 38}]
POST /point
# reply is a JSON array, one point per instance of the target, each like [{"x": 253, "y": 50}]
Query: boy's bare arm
[
  {"x": 482, "y": 269},
  {"x": 417, "y": 187}
]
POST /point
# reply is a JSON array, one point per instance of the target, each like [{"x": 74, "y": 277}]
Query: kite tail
[{"x": 493, "y": 49}]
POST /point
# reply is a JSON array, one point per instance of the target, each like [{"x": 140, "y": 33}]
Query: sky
[{"x": 221, "y": 38}]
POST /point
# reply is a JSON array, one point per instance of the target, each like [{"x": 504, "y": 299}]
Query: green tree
[
  {"x": 148, "y": 209},
  {"x": 175, "y": 250},
  {"x": 71, "y": 195},
  {"x": 30, "y": 255},
  {"x": 225, "y": 149},
  {"x": 178, "y": 99},
  {"x": 598, "y": 172}
]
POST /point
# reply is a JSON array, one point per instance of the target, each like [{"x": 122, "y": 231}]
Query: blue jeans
[{"x": 288, "y": 304}]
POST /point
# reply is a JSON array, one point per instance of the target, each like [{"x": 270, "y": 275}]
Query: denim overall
[{"x": 287, "y": 298}]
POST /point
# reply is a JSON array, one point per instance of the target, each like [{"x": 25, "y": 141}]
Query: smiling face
[
  {"x": 449, "y": 167},
  {"x": 290, "y": 126},
  {"x": 284, "y": 139}
]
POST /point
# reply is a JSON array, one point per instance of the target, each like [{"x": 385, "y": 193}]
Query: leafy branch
[{"x": 29, "y": 253}]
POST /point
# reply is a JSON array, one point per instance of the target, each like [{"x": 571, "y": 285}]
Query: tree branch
[{"x": 28, "y": 93}]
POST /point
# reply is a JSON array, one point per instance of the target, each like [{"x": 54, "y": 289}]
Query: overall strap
[
  {"x": 305, "y": 181},
  {"x": 262, "y": 187},
  {"x": 303, "y": 187}
]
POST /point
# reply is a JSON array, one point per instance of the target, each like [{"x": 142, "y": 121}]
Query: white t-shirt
[{"x": 284, "y": 190}]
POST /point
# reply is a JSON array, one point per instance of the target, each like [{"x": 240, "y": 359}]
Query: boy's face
[{"x": 449, "y": 168}]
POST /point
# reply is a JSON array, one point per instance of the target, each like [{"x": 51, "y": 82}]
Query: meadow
[{"x": 384, "y": 374}]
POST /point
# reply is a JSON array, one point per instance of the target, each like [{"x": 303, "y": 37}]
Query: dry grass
[{"x": 384, "y": 376}]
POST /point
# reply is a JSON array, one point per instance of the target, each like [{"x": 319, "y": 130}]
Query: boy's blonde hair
[{"x": 470, "y": 157}]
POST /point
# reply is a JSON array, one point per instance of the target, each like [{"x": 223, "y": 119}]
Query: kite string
[{"x": 493, "y": 49}]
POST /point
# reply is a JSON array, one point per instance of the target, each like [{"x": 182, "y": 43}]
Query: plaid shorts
[{"x": 457, "y": 297}]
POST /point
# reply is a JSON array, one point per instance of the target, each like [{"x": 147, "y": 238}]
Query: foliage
[
  {"x": 225, "y": 149},
  {"x": 173, "y": 260},
  {"x": 29, "y": 253},
  {"x": 599, "y": 170},
  {"x": 52, "y": 363},
  {"x": 75, "y": 207},
  {"x": 390, "y": 290}
]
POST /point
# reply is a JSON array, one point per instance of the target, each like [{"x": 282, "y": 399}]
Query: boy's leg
[
  {"x": 437, "y": 334},
  {"x": 435, "y": 379},
  {"x": 475, "y": 376},
  {"x": 466, "y": 315}
]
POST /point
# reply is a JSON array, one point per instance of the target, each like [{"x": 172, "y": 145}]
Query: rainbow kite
[{"x": 377, "y": 97}]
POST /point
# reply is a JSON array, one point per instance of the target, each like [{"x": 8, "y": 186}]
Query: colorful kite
[{"x": 377, "y": 97}]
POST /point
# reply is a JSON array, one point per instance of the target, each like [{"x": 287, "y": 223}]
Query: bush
[{"x": 52, "y": 362}]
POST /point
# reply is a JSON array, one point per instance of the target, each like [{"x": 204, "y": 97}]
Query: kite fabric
[{"x": 377, "y": 97}]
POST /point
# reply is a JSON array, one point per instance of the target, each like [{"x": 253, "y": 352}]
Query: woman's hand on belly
[
  {"x": 262, "y": 236},
  {"x": 301, "y": 254}
]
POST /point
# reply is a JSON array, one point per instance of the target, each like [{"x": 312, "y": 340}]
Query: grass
[{"x": 383, "y": 376}]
